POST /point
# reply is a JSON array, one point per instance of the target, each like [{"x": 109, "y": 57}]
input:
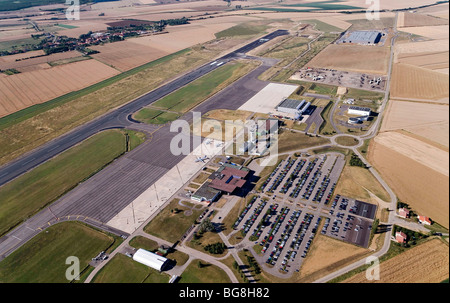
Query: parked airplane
[{"x": 202, "y": 159}]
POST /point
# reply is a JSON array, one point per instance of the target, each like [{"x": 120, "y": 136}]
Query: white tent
[{"x": 150, "y": 259}]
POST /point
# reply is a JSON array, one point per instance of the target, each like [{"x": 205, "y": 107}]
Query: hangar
[
  {"x": 294, "y": 107},
  {"x": 360, "y": 111},
  {"x": 150, "y": 259}
]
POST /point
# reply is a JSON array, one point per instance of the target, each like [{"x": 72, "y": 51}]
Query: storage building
[
  {"x": 359, "y": 111},
  {"x": 150, "y": 259}
]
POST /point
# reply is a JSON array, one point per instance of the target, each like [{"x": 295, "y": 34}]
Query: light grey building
[{"x": 363, "y": 37}]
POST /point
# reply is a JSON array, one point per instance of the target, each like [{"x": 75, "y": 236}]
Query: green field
[
  {"x": 28, "y": 43},
  {"x": 199, "y": 90},
  {"x": 155, "y": 116},
  {"x": 145, "y": 243},
  {"x": 292, "y": 141},
  {"x": 324, "y": 5},
  {"x": 43, "y": 258},
  {"x": 170, "y": 224},
  {"x": 123, "y": 269},
  {"x": 246, "y": 29},
  {"x": 322, "y": 26},
  {"x": 36, "y": 189},
  {"x": 208, "y": 273},
  {"x": 67, "y": 26}
]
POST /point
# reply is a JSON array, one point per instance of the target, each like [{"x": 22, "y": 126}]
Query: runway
[{"x": 101, "y": 197}]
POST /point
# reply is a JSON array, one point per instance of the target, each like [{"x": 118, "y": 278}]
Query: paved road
[
  {"x": 393, "y": 203},
  {"x": 104, "y": 195}
]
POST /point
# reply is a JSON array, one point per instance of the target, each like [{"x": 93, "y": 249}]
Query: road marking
[
  {"x": 29, "y": 161},
  {"x": 53, "y": 148}
]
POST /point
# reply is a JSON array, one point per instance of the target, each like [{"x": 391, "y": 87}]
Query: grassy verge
[
  {"x": 194, "y": 93},
  {"x": 172, "y": 222},
  {"x": 201, "y": 272},
  {"x": 43, "y": 258},
  {"x": 292, "y": 141},
  {"x": 36, "y": 189},
  {"x": 123, "y": 269},
  {"x": 245, "y": 29}
]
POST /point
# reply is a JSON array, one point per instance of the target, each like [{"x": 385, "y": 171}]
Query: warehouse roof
[
  {"x": 150, "y": 259},
  {"x": 206, "y": 192},
  {"x": 290, "y": 103},
  {"x": 365, "y": 37},
  {"x": 364, "y": 109}
]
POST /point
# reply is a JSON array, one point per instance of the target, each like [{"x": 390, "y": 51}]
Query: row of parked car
[
  {"x": 294, "y": 175},
  {"x": 287, "y": 167},
  {"x": 281, "y": 243},
  {"x": 301, "y": 182},
  {"x": 274, "y": 172},
  {"x": 250, "y": 221},
  {"x": 244, "y": 212}
]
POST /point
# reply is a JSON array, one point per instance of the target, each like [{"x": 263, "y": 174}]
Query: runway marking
[
  {"x": 53, "y": 148},
  {"x": 17, "y": 238},
  {"x": 29, "y": 228},
  {"x": 29, "y": 161}
]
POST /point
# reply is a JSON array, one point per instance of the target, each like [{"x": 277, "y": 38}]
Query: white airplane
[{"x": 202, "y": 159}]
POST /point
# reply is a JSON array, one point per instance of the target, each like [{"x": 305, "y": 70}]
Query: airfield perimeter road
[{"x": 104, "y": 195}]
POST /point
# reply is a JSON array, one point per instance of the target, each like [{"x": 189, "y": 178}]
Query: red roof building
[
  {"x": 424, "y": 220},
  {"x": 403, "y": 212},
  {"x": 400, "y": 237},
  {"x": 228, "y": 179}
]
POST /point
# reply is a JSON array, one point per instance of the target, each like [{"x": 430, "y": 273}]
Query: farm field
[
  {"x": 431, "y": 257},
  {"x": 125, "y": 55},
  {"x": 426, "y": 154},
  {"x": 407, "y": 19},
  {"x": 26, "y": 89},
  {"x": 430, "y": 121},
  {"x": 41, "y": 186},
  {"x": 342, "y": 57},
  {"x": 424, "y": 189},
  {"x": 43, "y": 258},
  {"x": 36, "y": 63},
  {"x": 412, "y": 82},
  {"x": 432, "y": 32},
  {"x": 436, "y": 61}
]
